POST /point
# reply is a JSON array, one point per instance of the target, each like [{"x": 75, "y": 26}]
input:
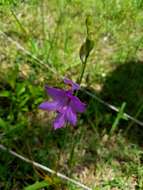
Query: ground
[{"x": 51, "y": 34}]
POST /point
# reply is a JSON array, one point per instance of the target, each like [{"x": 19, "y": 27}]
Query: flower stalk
[{"x": 84, "y": 54}]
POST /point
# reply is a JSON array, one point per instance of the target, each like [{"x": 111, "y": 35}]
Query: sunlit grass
[{"x": 53, "y": 31}]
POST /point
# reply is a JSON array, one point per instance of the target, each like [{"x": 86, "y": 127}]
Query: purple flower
[
  {"x": 74, "y": 86},
  {"x": 64, "y": 103}
]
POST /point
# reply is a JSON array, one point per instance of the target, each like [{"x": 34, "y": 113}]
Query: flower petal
[
  {"x": 59, "y": 121},
  {"x": 74, "y": 86},
  {"x": 77, "y": 105},
  {"x": 50, "y": 106},
  {"x": 71, "y": 116},
  {"x": 55, "y": 93}
]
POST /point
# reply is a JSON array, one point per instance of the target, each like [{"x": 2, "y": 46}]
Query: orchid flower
[{"x": 64, "y": 103}]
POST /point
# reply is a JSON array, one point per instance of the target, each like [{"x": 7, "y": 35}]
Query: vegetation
[{"x": 44, "y": 41}]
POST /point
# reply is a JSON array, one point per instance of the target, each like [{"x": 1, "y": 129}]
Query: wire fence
[
  {"x": 40, "y": 166},
  {"x": 93, "y": 95}
]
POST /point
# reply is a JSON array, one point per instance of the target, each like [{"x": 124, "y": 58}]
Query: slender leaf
[{"x": 37, "y": 185}]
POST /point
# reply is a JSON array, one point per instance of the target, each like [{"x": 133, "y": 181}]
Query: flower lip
[{"x": 73, "y": 86}]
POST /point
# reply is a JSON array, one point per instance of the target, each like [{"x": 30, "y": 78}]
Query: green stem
[
  {"x": 75, "y": 140},
  {"x": 70, "y": 162},
  {"x": 82, "y": 71},
  {"x": 18, "y": 22},
  {"x": 43, "y": 19}
]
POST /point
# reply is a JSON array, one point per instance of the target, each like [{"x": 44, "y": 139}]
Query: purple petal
[
  {"x": 59, "y": 121},
  {"x": 50, "y": 106},
  {"x": 74, "y": 86},
  {"x": 55, "y": 93},
  {"x": 71, "y": 116},
  {"x": 77, "y": 105}
]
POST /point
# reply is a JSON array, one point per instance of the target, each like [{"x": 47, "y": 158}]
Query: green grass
[{"x": 53, "y": 31}]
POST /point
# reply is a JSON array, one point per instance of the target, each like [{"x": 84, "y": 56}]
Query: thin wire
[
  {"x": 20, "y": 47},
  {"x": 112, "y": 107},
  {"x": 45, "y": 168}
]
